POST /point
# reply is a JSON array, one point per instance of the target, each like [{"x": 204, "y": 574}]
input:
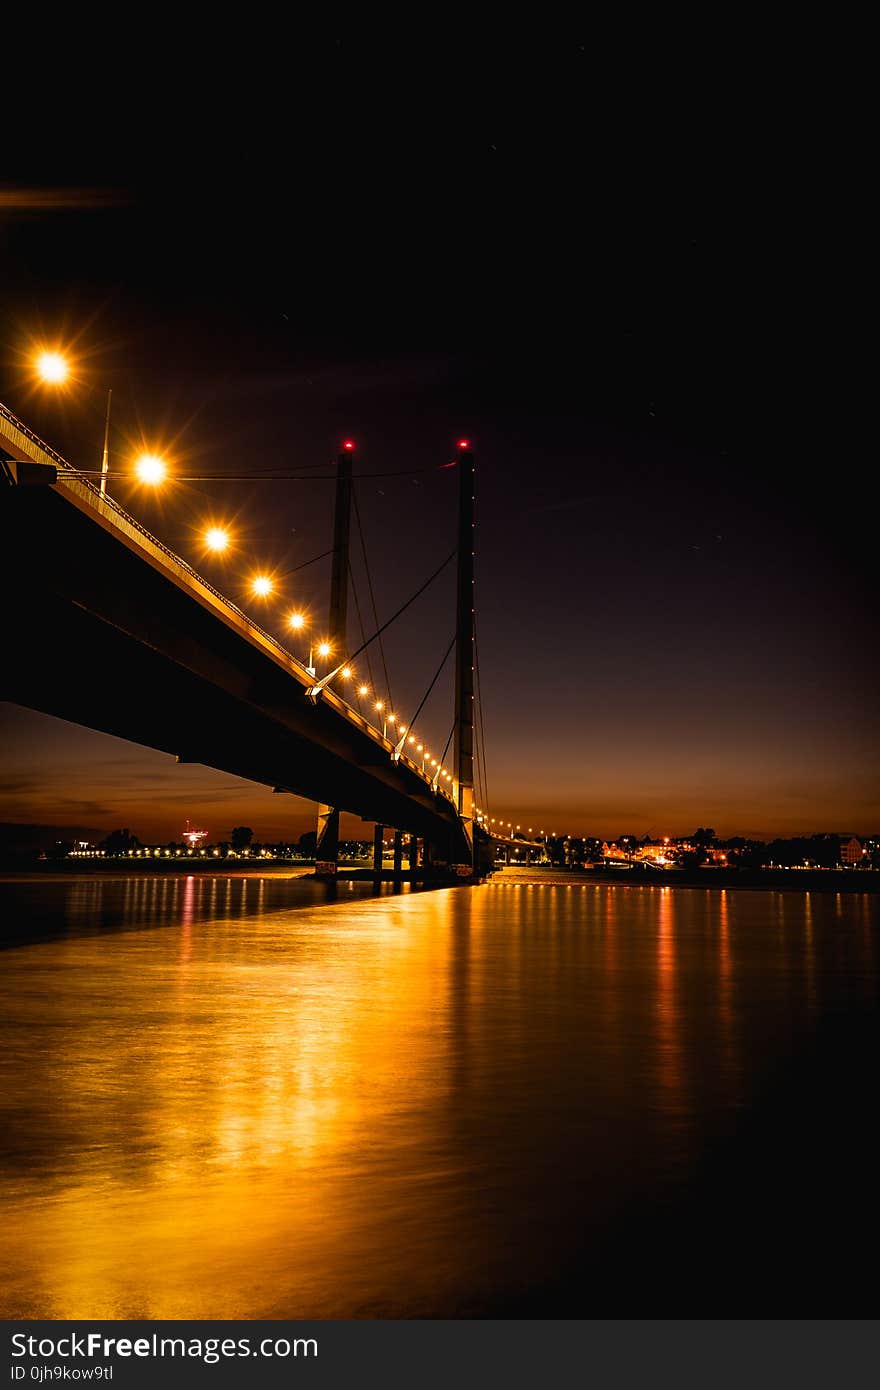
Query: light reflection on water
[{"x": 234, "y": 1098}]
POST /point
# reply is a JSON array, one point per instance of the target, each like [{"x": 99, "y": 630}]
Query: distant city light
[
  {"x": 192, "y": 835},
  {"x": 52, "y": 367},
  {"x": 150, "y": 469},
  {"x": 348, "y": 444},
  {"x": 216, "y": 538},
  {"x": 464, "y": 444}
]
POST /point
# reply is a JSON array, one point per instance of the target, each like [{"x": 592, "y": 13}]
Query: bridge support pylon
[
  {"x": 398, "y": 855},
  {"x": 327, "y": 847},
  {"x": 327, "y": 852},
  {"x": 463, "y": 748},
  {"x": 378, "y": 835}
]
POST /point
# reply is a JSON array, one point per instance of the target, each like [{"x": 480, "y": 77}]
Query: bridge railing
[{"x": 74, "y": 476}]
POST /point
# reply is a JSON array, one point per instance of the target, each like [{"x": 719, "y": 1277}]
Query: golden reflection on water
[
  {"x": 669, "y": 1060},
  {"x": 377, "y": 1107}
]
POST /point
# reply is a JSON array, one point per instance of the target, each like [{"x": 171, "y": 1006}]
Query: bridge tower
[
  {"x": 327, "y": 848},
  {"x": 463, "y": 748}
]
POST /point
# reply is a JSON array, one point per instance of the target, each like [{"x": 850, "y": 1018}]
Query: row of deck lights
[
  {"x": 151, "y": 470},
  {"x": 507, "y": 828}
]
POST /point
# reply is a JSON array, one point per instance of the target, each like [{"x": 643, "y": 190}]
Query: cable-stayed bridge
[{"x": 110, "y": 629}]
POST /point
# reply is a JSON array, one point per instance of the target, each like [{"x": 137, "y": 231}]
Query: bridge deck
[{"x": 111, "y": 629}]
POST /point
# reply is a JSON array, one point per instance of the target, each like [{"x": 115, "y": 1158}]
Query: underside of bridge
[{"x": 96, "y": 635}]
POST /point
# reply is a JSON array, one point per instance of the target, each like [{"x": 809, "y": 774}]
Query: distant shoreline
[{"x": 803, "y": 880}]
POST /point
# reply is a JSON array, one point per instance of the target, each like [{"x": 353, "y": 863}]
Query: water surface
[{"x": 241, "y": 1098}]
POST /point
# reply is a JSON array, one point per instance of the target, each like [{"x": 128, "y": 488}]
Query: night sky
[{"x": 675, "y": 529}]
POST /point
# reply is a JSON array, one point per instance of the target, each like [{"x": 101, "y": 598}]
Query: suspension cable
[
  {"x": 361, "y": 625},
  {"x": 446, "y": 747},
  {"x": 433, "y": 683},
  {"x": 302, "y": 476},
  {"x": 402, "y": 609},
  {"x": 480, "y": 724},
  {"x": 314, "y": 560},
  {"x": 357, "y": 513},
  {"x": 480, "y": 786}
]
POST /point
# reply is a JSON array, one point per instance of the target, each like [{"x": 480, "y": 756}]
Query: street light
[
  {"x": 380, "y": 706},
  {"x": 217, "y": 539},
  {"x": 262, "y": 585},
  {"x": 298, "y": 622},
  {"x": 54, "y": 368},
  {"x": 149, "y": 468}
]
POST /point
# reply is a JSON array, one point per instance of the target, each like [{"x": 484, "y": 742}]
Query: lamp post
[
  {"x": 298, "y": 622},
  {"x": 54, "y": 369},
  {"x": 323, "y": 649},
  {"x": 105, "y": 456},
  {"x": 380, "y": 707}
]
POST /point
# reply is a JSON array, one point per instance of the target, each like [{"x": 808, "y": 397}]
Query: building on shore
[{"x": 851, "y": 851}]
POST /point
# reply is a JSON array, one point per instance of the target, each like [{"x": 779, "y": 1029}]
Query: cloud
[
  {"x": 57, "y": 199},
  {"x": 17, "y": 786}
]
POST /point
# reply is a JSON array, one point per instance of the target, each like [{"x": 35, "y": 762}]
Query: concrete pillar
[
  {"x": 377, "y": 852},
  {"x": 398, "y": 854},
  {"x": 327, "y": 850}
]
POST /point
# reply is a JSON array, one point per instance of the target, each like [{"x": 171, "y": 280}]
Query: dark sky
[{"x": 628, "y": 314}]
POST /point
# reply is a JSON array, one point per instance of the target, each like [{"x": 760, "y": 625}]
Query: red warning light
[
  {"x": 348, "y": 444},
  {"x": 464, "y": 444}
]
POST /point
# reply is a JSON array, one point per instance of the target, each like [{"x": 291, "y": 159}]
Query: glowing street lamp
[
  {"x": 217, "y": 539},
  {"x": 149, "y": 469},
  {"x": 380, "y": 707},
  {"x": 298, "y": 622},
  {"x": 262, "y": 586},
  {"x": 53, "y": 368}
]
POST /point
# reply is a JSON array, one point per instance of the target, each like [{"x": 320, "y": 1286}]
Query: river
[{"x": 252, "y": 1097}]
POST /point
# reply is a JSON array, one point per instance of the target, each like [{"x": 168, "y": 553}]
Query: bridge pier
[
  {"x": 378, "y": 833},
  {"x": 413, "y": 855},
  {"x": 398, "y": 854},
  {"x": 327, "y": 847}
]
